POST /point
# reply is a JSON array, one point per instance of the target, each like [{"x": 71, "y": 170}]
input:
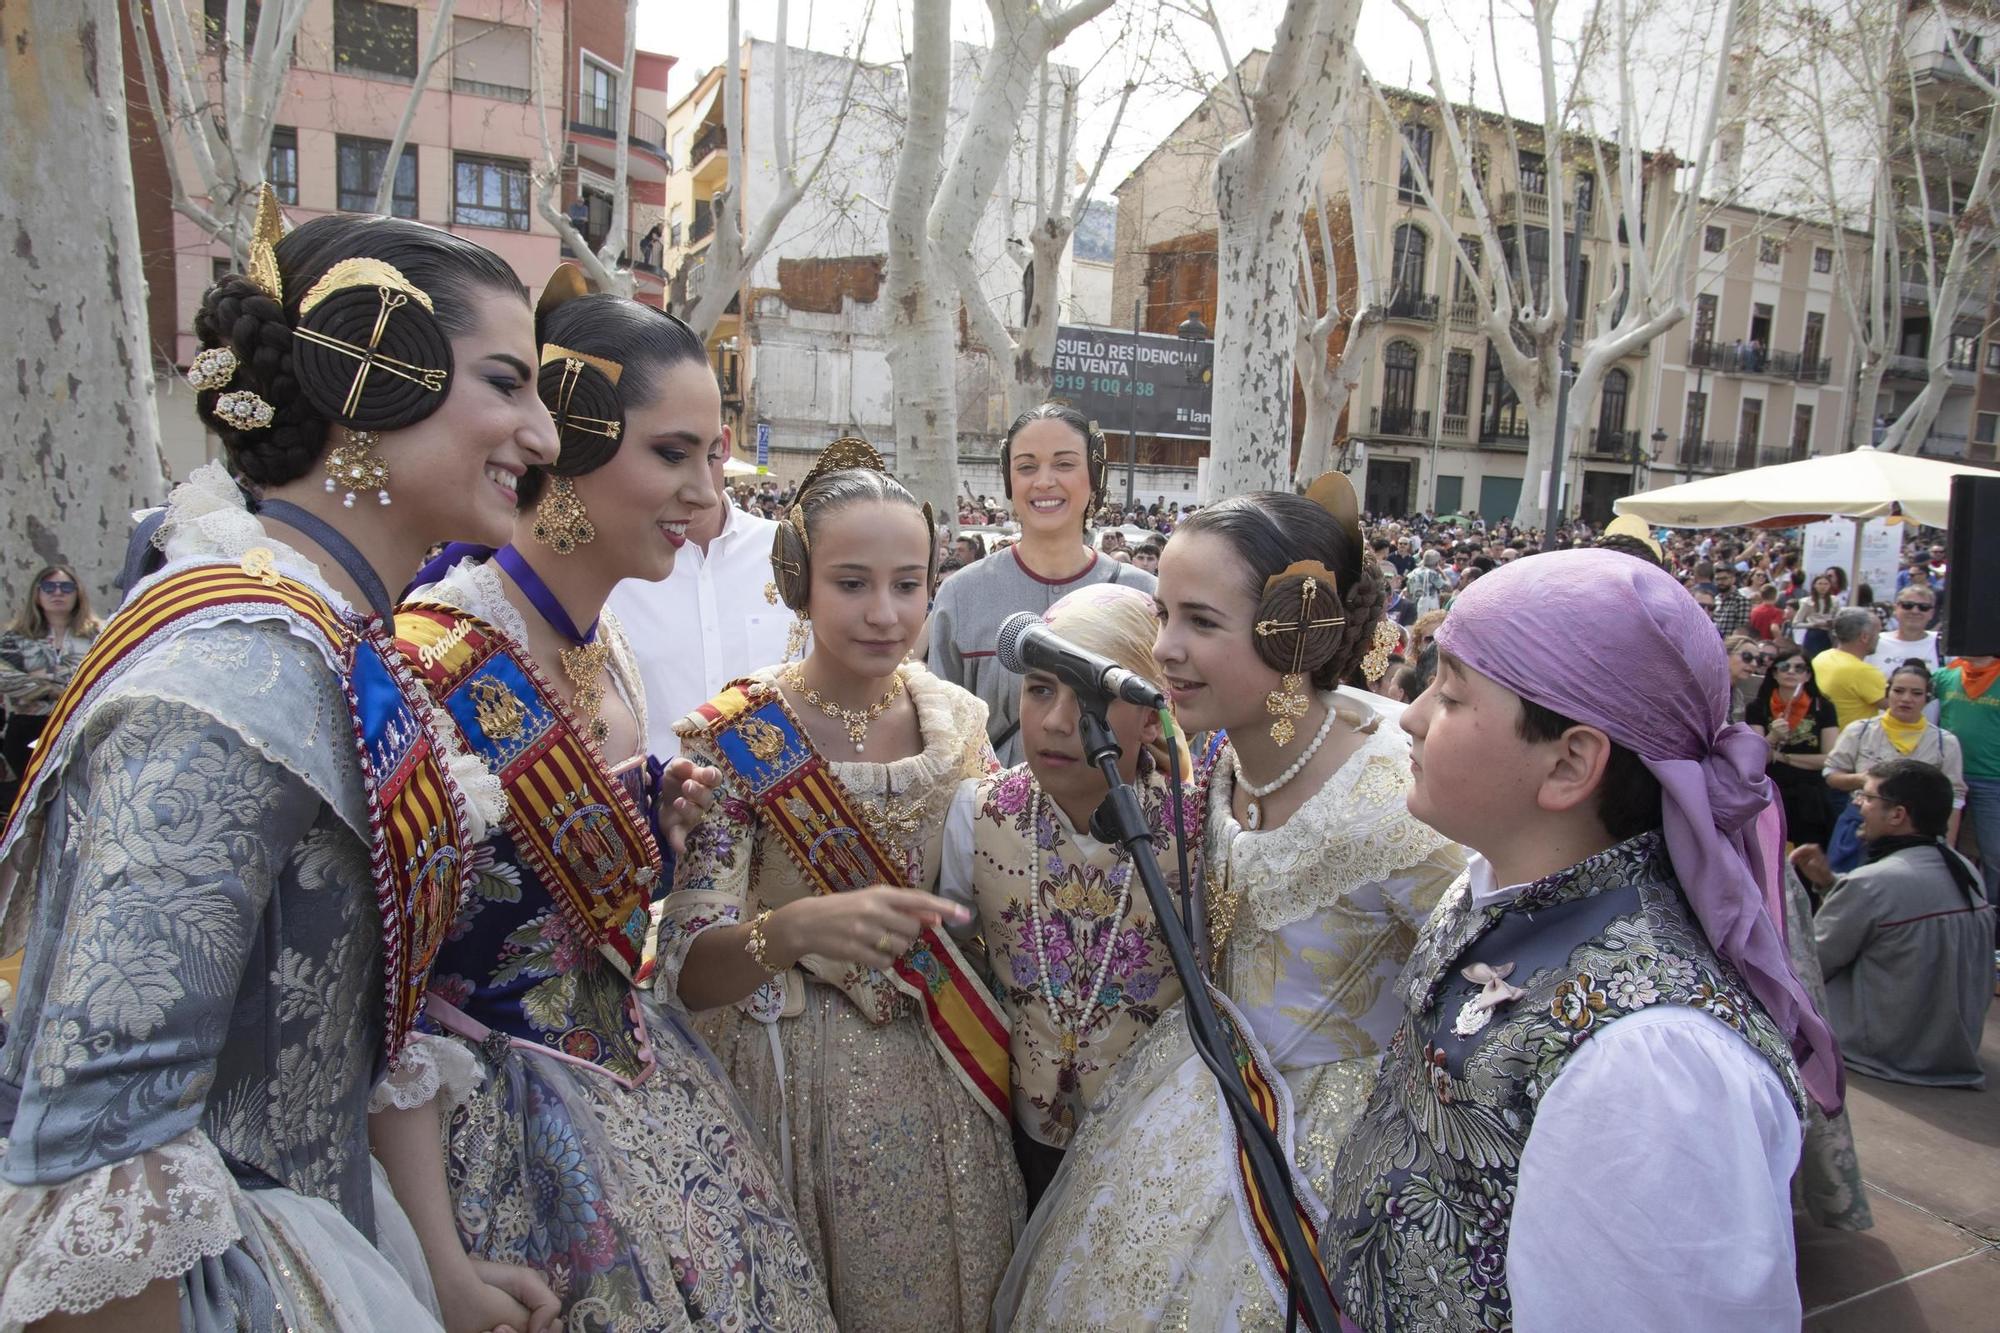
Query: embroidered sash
[
  {"x": 1255, "y": 1211},
  {"x": 573, "y": 823},
  {"x": 764, "y": 750},
  {"x": 416, "y": 813}
]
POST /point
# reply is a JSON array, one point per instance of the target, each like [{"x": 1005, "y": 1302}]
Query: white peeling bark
[
  {"x": 82, "y": 437},
  {"x": 920, "y": 296},
  {"x": 1262, "y": 178}
]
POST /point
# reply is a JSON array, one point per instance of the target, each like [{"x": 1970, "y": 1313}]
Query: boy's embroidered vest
[
  {"x": 1425, "y": 1197},
  {"x": 1063, "y": 1050}
]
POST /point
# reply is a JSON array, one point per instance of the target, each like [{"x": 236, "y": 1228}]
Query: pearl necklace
[
  {"x": 1074, "y": 1025},
  {"x": 856, "y": 720},
  {"x": 1253, "y": 809}
]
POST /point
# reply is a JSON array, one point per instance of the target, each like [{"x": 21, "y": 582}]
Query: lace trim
[
  {"x": 206, "y": 518},
  {"x": 948, "y": 718},
  {"x": 1354, "y": 830},
  {"x": 106, "y": 1235},
  {"x": 429, "y": 1067}
]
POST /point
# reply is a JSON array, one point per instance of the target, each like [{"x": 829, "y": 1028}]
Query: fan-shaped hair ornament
[
  {"x": 1334, "y": 493},
  {"x": 849, "y": 451},
  {"x": 565, "y": 284},
  {"x": 265, "y": 233}
]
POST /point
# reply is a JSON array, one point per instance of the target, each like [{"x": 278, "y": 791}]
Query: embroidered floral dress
[
  {"x": 201, "y": 1018},
  {"x": 1057, "y": 913},
  {"x": 904, "y": 1185},
  {"x": 605, "y": 1148},
  {"x": 1144, "y": 1228}
]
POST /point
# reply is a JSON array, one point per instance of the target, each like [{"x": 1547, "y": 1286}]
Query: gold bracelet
[{"x": 757, "y": 943}]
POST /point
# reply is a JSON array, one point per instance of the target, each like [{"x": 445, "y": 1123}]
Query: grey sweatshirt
[{"x": 965, "y": 626}]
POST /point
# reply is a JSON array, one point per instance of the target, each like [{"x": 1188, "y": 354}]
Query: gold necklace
[
  {"x": 584, "y": 665},
  {"x": 856, "y": 720}
]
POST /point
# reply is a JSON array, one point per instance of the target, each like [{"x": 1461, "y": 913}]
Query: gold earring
[
  {"x": 1286, "y": 703},
  {"x": 795, "y": 640},
  {"x": 354, "y": 467},
  {"x": 560, "y": 521}
]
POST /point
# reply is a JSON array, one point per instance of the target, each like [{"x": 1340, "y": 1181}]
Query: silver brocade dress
[
  {"x": 906, "y": 1189},
  {"x": 200, "y": 1023},
  {"x": 1142, "y": 1228}
]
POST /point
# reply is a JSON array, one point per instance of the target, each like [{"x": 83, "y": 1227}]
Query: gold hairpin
[
  {"x": 573, "y": 363},
  {"x": 371, "y": 357}
]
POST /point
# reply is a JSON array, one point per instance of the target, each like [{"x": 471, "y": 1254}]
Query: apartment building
[
  {"x": 1432, "y": 422},
  {"x": 496, "y": 110},
  {"x": 802, "y": 349},
  {"x": 1940, "y": 149},
  {"x": 1762, "y": 370}
]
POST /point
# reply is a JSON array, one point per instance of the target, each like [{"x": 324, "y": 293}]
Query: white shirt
[
  {"x": 1663, "y": 1155},
  {"x": 1891, "y": 652},
  {"x": 704, "y": 625}
]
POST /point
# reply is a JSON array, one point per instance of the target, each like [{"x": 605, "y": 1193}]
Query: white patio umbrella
[
  {"x": 733, "y": 466},
  {"x": 1866, "y": 483}
]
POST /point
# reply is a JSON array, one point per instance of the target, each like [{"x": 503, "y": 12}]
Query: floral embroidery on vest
[{"x": 1426, "y": 1183}]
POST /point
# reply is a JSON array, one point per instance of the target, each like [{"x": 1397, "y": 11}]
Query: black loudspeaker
[{"x": 1972, "y": 595}]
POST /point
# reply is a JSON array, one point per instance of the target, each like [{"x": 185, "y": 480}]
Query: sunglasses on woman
[
  {"x": 1913, "y": 606},
  {"x": 1753, "y": 659},
  {"x": 1792, "y": 664},
  {"x": 53, "y": 587}
]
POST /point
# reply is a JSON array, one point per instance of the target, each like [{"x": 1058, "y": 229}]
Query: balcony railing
[
  {"x": 1910, "y": 367},
  {"x": 1944, "y": 444},
  {"x": 1465, "y": 314},
  {"x": 1943, "y": 64},
  {"x": 1518, "y": 203},
  {"x": 1504, "y": 434},
  {"x": 1726, "y": 455},
  {"x": 1620, "y": 444},
  {"x": 1742, "y": 359},
  {"x": 1940, "y": 145},
  {"x": 703, "y": 225},
  {"x": 712, "y": 139},
  {"x": 1405, "y": 422},
  {"x": 1454, "y": 424},
  {"x": 1413, "y": 306},
  {"x": 593, "y": 114}
]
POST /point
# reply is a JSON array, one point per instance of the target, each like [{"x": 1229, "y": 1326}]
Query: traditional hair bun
[
  {"x": 825, "y": 483},
  {"x": 1301, "y": 621},
  {"x": 237, "y": 314},
  {"x": 370, "y": 352},
  {"x": 581, "y": 393}
]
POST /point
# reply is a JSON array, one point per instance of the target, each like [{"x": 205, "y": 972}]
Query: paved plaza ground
[{"x": 1931, "y": 1158}]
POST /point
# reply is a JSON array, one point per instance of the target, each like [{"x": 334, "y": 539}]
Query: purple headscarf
[{"x": 1616, "y": 643}]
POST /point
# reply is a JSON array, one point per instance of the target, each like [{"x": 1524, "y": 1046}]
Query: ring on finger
[{"x": 887, "y": 944}]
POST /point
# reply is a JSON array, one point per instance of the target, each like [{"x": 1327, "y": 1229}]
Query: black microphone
[{"x": 1026, "y": 644}]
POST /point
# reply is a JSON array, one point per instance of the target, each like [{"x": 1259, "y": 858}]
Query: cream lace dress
[
  {"x": 1142, "y": 1228},
  {"x": 905, "y": 1189}
]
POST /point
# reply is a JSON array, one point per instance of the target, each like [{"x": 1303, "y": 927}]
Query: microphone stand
[{"x": 1120, "y": 817}]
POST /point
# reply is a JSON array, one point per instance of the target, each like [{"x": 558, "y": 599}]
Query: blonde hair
[
  {"x": 32, "y": 621},
  {"x": 1121, "y": 623}
]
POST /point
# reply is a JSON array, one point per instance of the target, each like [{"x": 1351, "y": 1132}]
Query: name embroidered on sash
[
  {"x": 765, "y": 750},
  {"x": 575, "y": 825}
]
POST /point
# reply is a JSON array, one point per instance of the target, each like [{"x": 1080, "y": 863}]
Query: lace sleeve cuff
[
  {"x": 429, "y": 1067},
  {"x": 107, "y": 1235}
]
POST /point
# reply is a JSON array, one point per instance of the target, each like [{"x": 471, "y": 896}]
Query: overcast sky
[{"x": 1113, "y": 45}]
